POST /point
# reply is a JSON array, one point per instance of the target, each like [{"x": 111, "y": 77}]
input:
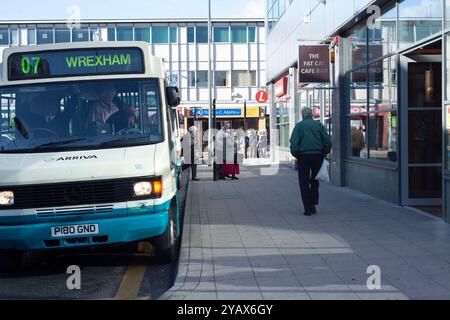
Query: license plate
[{"x": 79, "y": 230}]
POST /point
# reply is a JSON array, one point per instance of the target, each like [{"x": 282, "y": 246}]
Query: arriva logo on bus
[
  {"x": 53, "y": 159},
  {"x": 98, "y": 61}
]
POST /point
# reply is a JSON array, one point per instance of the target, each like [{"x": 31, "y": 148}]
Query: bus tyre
[
  {"x": 166, "y": 244},
  {"x": 10, "y": 261}
]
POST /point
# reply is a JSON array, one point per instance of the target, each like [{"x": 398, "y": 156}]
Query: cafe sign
[{"x": 314, "y": 64}]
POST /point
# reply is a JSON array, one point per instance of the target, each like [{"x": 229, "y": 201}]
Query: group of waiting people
[
  {"x": 230, "y": 148},
  {"x": 255, "y": 144}
]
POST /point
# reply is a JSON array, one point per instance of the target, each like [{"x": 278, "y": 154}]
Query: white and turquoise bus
[{"x": 88, "y": 155}]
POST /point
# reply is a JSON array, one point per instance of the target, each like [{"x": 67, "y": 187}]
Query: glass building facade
[{"x": 387, "y": 105}]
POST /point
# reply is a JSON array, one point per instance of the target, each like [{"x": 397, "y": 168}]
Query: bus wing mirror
[{"x": 173, "y": 96}]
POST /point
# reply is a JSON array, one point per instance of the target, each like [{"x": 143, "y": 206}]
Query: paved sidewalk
[{"x": 249, "y": 240}]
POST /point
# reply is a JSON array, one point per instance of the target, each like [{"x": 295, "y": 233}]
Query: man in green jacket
[{"x": 310, "y": 143}]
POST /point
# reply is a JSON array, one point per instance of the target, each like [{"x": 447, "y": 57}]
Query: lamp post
[{"x": 210, "y": 91}]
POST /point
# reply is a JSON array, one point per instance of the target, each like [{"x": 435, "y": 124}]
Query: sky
[{"x": 130, "y": 9}]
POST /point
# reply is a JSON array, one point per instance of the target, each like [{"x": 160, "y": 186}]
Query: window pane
[
  {"x": 418, "y": 20},
  {"x": 447, "y": 110},
  {"x": 252, "y": 34},
  {"x": 62, "y": 35},
  {"x": 44, "y": 36},
  {"x": 447, "y": 67},
  {"x": 383, "y": 135},
  {"x": 424, "y": 85},
  {"x": 94, "y": 34},
  {"x": 31, "y": 36},
  {"x": 282, "y": 124},
  {"x": 142, "y": 34},
  {"x": 221, "y": 34},
  {"x": 221, "y": 79},
  {"x": 173, "y": 34},
  {"x": 80, "y": 35},
  {"x": 111, "y": 34},
  {"x": 202, "y": 34},
  {"x": 4, "y": 37},
  {"x": 124, "y": 34},
  {"x": 192, "y": 79},
  {"x": 383, "y": 85},
  {"x": 358, "y": 46},
  {"x": 160, "y": 35},
  {"x": 253, "y": 78},
  {"x": 383, "y": 34},
  {"x": 447, "y": 13},
  {"x": 243, "y": 78},
  {"x": 239, "y": 34},
  {"x": 358, "y": 91},
  {"x": 202, "y": 79},
  {"x": 191, "y": 35},
  {"x": 14, "y": 37},
  {"x": 358, "y": 136}
]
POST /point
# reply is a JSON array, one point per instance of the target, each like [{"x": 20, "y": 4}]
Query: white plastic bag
[{"x": 324, "y": 174}]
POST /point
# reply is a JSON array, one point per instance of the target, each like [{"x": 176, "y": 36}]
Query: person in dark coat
[{"x": 310, "y": 143}]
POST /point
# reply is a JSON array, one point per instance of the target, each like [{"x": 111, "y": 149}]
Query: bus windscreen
[{"x": 75, "y": 63}]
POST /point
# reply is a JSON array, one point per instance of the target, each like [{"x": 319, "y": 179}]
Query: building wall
[
  {"x": 290, "y": 29},
  {"x": 182, "y": 57}
]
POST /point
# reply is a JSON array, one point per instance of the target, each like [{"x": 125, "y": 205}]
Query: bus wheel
[
  {"x": 10, "y": 261},
  {"x": 166, "y": 244}
]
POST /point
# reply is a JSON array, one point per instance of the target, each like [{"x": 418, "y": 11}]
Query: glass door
[{"x": 422, "y": 167}]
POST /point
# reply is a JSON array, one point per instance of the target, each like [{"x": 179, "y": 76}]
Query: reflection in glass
[
  {"x": 424, "y": 85},
  {"x": 358, "y": 45},
  {"x": 358, "y": 136},
  {"x": 383, "y": 34},
  {"x": 358, "y": 91},
  {"x": 383, "y": 136},
  {"x": 418, "y": 20},
  {"x": 282, "y": 123},
  {"x": 383, "y": 85},
  {"x": 425, "y": 137}
]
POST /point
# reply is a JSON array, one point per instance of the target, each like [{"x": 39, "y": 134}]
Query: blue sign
[{"x": 219, "y": 112}]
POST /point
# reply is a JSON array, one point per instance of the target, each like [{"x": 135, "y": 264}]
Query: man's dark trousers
[{"x": 308, "y": 167}]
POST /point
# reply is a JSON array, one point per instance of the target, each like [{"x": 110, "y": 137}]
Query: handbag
[{"x": 324, "y": 173}]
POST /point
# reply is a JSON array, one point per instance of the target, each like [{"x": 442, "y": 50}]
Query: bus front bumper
[{"x": 120, "y": 230}]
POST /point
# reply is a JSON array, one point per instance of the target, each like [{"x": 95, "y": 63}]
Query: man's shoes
[
  {"x": 195, "y": 179},
  {"x": 313, "y": 210},
  {"x": 234, "y": 178},
  {"x": 222, "y": 178},
  {"x": 307, "y": 214}
]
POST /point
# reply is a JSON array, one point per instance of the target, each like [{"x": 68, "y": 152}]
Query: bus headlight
[
  {"x": 148, "y": 188},
  {"x": 142, "y": 189},
  {"x": 6, "y": 198}
]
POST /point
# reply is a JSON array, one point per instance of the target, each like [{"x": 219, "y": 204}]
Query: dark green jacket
[{"x": 310, "y": 137}]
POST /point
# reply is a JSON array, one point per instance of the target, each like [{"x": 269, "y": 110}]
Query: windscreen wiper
[
  {"x": 123, "y": 139},
  {"x": 59, "y": 143},
  {"x": 21, "y": 128}
]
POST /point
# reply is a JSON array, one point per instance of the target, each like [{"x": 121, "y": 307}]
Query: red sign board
[
  {"x": 314, "y": 64},
  {"x": 262, "y": 96},
  {"x": 281, "y": 87}
]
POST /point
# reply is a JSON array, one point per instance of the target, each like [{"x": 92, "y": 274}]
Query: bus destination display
[{"x": 73, "y": 63}]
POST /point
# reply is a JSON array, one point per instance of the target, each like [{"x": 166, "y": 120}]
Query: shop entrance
[{"x": 422, "y": 128}]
